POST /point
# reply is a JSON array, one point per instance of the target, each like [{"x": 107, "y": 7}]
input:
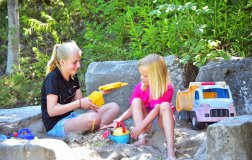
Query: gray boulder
[
  {"x": 101, "y": 73},
  {"x": 237, "y": 73},
  {"x": 230, "y": 139}
]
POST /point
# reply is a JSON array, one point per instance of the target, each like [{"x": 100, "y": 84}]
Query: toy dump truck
[{"x": 205, "y": 102}]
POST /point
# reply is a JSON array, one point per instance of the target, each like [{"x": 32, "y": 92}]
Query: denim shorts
[
  {"x": 59, "y": 130},
  {"x": 155, "y": 125}
]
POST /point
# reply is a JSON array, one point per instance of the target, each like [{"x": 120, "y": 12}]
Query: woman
[{"x": 61, "y": 95}]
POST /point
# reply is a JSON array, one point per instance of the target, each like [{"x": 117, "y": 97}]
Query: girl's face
[
  {"x": 144, "y": 75},
  {"x": 72, "y": 64}
]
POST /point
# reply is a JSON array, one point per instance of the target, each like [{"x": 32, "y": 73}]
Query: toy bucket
[{"x": 120, "y": 134}]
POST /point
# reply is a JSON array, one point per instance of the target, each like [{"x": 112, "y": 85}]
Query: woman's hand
[
  {"x": 106, "y": 91},
  {"x": 87, "y": 104},
  {"x": 135, "y": 132}
]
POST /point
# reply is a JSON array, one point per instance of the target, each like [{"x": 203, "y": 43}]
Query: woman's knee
[
  {"x": 115, "y": 107},
  {"x": 94, "y": 118}
]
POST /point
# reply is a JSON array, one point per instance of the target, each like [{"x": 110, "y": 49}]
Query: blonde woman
[
  {"x": 150, "y": 103},
  {"x": 61, "y": 95}
]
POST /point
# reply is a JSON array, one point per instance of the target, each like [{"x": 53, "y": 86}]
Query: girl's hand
[
  {"x": 135, "y": 132},
  {"x": 111, "y": 125},
  {"x": 87, "y": 104}
]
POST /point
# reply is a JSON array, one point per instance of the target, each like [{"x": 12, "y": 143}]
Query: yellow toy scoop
[
  {"x": 97, "y": 98},
  {"x": 112, "y": 86}
]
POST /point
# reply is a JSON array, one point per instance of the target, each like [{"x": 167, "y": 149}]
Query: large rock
[
  {"x": 11, "y": 120},
  {"x": 230, "y": 139},
  {"x": 101, "y": 73},
  {"x": 237, "y": 73},
  {"x": 40, "y": 149}
]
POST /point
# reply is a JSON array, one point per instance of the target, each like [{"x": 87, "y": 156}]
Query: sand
[{"x": 189, "y": 144}]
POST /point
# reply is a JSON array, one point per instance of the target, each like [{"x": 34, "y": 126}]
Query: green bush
[{"x": 24, "y": 86}]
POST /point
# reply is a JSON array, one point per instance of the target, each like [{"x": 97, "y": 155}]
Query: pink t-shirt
[{"x": 150, "y": 103}]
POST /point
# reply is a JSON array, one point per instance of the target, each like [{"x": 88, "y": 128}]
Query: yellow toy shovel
[{"x": 97, "y": 96}]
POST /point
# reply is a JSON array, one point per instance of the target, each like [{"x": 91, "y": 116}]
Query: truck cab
[{"x": 205, "y": 102}]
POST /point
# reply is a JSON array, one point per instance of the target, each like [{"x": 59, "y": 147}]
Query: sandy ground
[{"x": 189, "y": 144}]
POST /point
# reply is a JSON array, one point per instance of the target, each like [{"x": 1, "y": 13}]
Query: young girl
[
  {"x": 61, "y": 94},
  {"x": 151, "y": 102}
]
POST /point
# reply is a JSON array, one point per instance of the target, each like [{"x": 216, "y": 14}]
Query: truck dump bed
[{"x": 185, "y": 99}]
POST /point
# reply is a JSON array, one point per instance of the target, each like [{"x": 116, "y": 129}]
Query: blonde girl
[
  {"x": 150, "y": 102},
  {"x": 61, "y": 95}
]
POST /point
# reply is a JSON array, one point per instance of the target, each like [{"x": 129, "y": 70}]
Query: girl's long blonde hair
[
  {"x": 157, "y": 73},
  {"x": 61, "y": 51}
]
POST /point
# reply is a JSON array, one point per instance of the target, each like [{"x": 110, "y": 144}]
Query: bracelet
[{"x": 80, "y": 103}]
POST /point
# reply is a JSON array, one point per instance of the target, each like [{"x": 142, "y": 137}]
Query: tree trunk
[
  {"x": 191, "y": 73},
  {"x": 13, "y": 36}
]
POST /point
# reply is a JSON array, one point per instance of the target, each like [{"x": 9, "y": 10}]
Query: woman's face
[
  {"x": 72, "y": 64},
  {"x": 144, "y": 75}
]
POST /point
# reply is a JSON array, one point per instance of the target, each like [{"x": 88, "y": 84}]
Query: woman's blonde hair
[
  {"x": 61, "y": 51},
  {"x": 157, "y": 73}
]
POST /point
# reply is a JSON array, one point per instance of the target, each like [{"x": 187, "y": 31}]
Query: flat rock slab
[
  {"x": 11, "y": 120},
  {"x": 40, "y": 149}
]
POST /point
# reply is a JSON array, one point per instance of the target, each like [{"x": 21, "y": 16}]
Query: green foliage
[
  {"x": 23, "y": 87},
  {"x": 196, "y": 31},
  {"x": 232, "y": 22},
  {"x": 193, "y": 28}
]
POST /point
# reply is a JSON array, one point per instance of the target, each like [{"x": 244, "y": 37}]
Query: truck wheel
[
  {"x": 179, "y": 116},
  {"x": 184, "y": 115},
  {"x": 195, "y": 124}
]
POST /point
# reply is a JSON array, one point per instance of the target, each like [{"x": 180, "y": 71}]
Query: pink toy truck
[{"x": 205, "y": 102}]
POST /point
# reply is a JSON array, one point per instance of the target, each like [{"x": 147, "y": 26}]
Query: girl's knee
[
  {"x": 137, "y": 102},
  {"x": 165, "y": 106}
]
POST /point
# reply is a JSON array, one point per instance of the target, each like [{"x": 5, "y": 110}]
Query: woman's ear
[{"x": 62, "y": 62}]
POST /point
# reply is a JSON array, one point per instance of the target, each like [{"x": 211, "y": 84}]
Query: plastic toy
[
  {"x": 97, "y": 96},
  {"x": 13, "y": 135},
  {"x": 120, "y": 134},
  {"x": 205, "y": 102},
  {"x": 115, "y": 85},
  {"x": 2, "y": 137},
  {"x": 25, "y": 133}
]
